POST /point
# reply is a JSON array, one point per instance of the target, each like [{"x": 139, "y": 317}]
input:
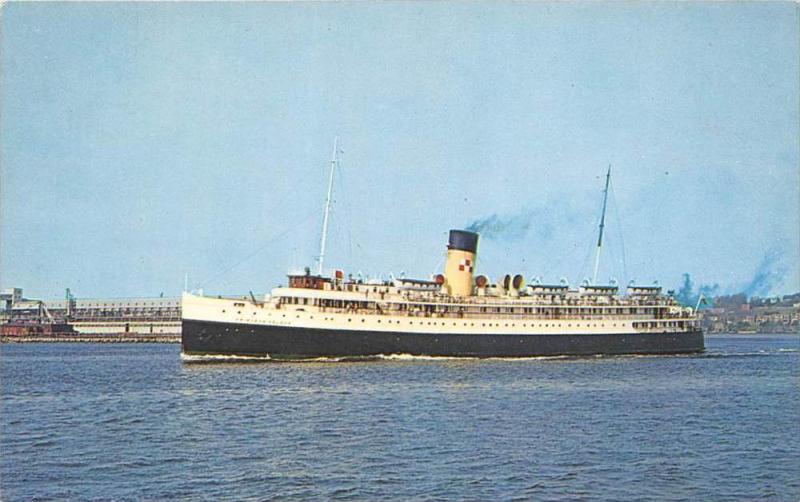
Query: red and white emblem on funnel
[{"x": 465, "y": 265}]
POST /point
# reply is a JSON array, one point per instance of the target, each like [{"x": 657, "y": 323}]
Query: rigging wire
[
  {"x": 585, "y": 263},
  {"x": 437, "y": 269},
  {"x": 591, "y": 248},
  {"x": 619, "y": 231},
  {"x": 348, "y": 216},
  {"x": 293, "y": 189},
  {"x": 488, "y": 254},
  {"x": 285, "y": 231},
  {"x": 288, "y": 195}
]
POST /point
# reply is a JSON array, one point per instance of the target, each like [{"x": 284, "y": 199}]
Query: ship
[{"x": 457, "y": 313}]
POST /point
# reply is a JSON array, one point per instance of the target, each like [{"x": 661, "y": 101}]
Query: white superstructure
[{"x": 422, "y": 307}]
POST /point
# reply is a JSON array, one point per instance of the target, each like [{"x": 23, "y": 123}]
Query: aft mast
[
  {"x": 327, "y": 210},
  {"x": 602, "y": 225}
]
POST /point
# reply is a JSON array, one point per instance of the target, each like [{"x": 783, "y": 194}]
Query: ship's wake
[
  {"x": 412, "y": 357},
  {"x": 221, "y": 358},
  {"x": 756, "y": 353}
]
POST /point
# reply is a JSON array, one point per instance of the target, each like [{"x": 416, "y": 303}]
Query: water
[{"x": 129, "y": 422}]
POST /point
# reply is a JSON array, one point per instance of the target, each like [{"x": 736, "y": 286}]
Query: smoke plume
[
  {"x": 687, "y": 296},
  {"x": 542, "y": 221},
  {"x": 502, "y": 227},
  {"x": 769, "y": 273}
]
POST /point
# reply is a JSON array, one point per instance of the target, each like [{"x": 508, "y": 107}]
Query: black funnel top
[{"x": 463, "y": 240}]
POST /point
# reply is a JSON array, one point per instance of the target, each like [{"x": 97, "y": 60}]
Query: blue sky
[{"x": 142, "y": 141}]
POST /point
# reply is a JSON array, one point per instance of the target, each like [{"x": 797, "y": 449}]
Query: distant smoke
[
  {"x": 687, "y": 296},
  {"x": 769, "y": 273}
]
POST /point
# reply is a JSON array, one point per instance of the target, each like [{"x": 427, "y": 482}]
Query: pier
[{"x": 106, "y": 320}]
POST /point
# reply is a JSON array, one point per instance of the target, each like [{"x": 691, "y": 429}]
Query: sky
[{"x": 140, "y": 142}]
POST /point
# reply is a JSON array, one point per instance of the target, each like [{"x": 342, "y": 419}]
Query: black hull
[{"x": 212, "y": 338}]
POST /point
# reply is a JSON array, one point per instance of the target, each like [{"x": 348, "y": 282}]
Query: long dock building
[{"x": 152, "y": 315}]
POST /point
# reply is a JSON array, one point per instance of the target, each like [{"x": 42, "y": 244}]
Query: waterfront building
[{"x": 153, "y": 315}]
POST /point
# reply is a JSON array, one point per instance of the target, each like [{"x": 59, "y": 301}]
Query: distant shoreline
[{"x": 124, "y": 338}]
